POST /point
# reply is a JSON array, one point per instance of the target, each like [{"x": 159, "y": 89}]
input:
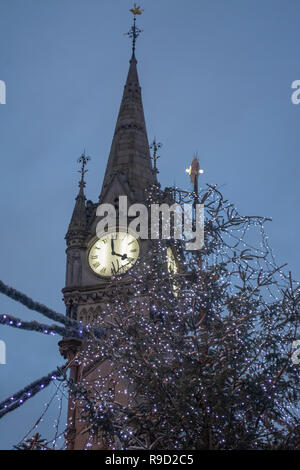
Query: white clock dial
[{"x": 114, "y": 253}]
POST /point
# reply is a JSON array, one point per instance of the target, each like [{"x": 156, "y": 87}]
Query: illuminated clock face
[{"x": 113, "y": 254}]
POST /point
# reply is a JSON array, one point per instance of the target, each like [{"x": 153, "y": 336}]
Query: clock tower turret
[{"x": 91, "y": 261}]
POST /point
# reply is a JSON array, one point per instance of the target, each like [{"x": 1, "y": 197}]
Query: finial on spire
[
  {"x": 83, "y": 159},
  {"x": 134, "y": 31},
  {"x": 155, "y": 147},
  {"x": 136, "y": 10}
]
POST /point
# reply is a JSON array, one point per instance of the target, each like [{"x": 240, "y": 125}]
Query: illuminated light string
[
  {"x": 58, "y": 435},
  {"x": 47, "y": 312},
  {"x": 28, "y": 392},
  {"x": 41, "y": 418},
  {"x": 36, "y": 306},
  {"x": 52, "y": 330}
]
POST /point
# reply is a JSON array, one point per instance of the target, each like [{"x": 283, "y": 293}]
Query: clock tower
[{"x": 91, "y": 261}]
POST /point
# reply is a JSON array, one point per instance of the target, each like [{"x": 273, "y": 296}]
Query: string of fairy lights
[{"x": 19, "y": 398}]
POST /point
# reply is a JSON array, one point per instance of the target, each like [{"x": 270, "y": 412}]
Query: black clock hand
[
  {"x": 114, "y": 253},
  {"x": 112, "y": 247},
  {"x": 121, "y": 256}
]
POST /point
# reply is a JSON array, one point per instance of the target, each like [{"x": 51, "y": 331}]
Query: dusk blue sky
[{"x": 216, "y": 77}]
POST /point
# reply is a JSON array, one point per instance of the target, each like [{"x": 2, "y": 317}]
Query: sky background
[{"x": 216, "y": 77}]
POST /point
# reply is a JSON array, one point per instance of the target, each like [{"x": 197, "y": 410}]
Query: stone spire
[
  {"x": 78, "y": 223},
  {"x": 129, "y": 160}
]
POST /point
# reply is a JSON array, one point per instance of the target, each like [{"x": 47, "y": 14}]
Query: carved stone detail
[
  {"x": 74, "y": 268},
  {"x": 68, "y": 348}
]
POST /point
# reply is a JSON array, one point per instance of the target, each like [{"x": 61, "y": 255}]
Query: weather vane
[
  {"x": 83, "y": 159},
  {"x": 194, "y": 171},
  {"x": 155, "y": 147},
  {"x": 134, "y": 30}
]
